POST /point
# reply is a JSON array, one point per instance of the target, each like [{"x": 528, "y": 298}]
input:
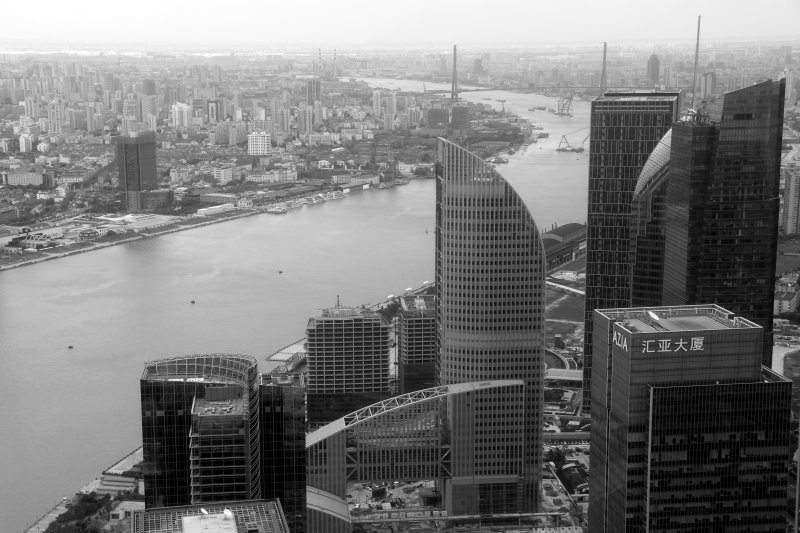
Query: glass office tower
[
  {"x": 490, "y": 289},
  {"x": 689, "y": 431},
  {"x": 196, "y": 411},
  {"x": 624, "y": 129},
  {"x": 706, "y": 209},
  {"x": 136, "y": 162}
]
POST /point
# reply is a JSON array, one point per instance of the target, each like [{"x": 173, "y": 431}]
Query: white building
[
  {"x": 259, "y": 143},
  {"x": 223, "y": 175},
  {"x": 376, "y": 103},
  {"x": 25, "y": 143}
]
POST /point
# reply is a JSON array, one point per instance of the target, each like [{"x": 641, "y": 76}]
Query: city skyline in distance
[{"x": 509, "y": 22}]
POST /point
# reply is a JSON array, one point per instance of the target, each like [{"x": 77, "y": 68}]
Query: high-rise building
[
  {"x": 712, "y": 220},
  {"x": 149, "y": 105},
  {"x": 694, "y": 433},
  {"x": 791, "y": 198},
  {"x": 376, "y": 103},
  {"x": 416, "y": 343},
  {"x": 490, "y": 326},
  {"x": 313, "y": 91},
  {"x": 136, "y": 162},
  {"x": 282, "y": 413},
  {"x": 148, "y": 87},
  {"x": 624, "y": 129},
  {"x": 200, "y": 430},
  {"x": 181, "y": 116},
  {"x": 653, "y": 70},
  {"x": 259, "y": 143},
  {"x": 348, "y": 362}
]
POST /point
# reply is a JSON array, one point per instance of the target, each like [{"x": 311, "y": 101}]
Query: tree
[{"x": 426, "y": 158}]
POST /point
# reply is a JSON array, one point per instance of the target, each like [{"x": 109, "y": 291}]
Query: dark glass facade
[
  {"x": 689, "y": 432},
  {"x": 283, "y": 449},
  {"x": 648, "y": 211},
  {"x": 625, "y": 127},
  {"x": 136, "y": 163},
  {"x": 175, "y": 472},
  {"x": 416, "y": 343},
  {"x": 723, "y": 205},
  {"x": 490, "y": 285}
]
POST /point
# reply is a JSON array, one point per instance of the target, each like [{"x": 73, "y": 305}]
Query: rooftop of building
[
  {"x": 229, "y": 407},
  {"x": 231, "y": 517},
  {"x": 639, "y": 95},
  {"x": 421, "y": 304},
  {"x": 202, "y": 368},
  {"x": 678, "y": 318}
]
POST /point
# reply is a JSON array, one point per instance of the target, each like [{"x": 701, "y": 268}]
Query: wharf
[{"x": 122, "y": 465}]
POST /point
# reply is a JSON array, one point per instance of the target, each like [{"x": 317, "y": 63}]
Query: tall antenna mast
[
  {"x": 696, "y": 56},
  {"x": 603, "y": 80},
  {"x": 454, "y": 88}
]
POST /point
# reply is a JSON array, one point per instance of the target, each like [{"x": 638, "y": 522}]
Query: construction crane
[{"x": 565, "y": 146}]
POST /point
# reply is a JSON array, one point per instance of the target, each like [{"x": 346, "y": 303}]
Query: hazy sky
[{"x": 331, "y": 23}]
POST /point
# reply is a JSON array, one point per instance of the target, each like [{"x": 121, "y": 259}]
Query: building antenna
[
  {"x": 603, "y": 80},
  {"x": 454, "y": 88},
  {"x": 696, "y": 56}
]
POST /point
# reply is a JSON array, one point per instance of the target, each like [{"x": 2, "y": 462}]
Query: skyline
[{"x": 617, "y": 22}]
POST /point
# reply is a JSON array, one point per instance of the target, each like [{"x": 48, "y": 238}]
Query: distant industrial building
[
  {"x": 689, "y": 431},
  {"x": 348, "y": 362},
  {"x": 416, "y": 343}
]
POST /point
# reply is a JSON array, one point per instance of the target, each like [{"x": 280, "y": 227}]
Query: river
[{"x": 70, "y": 413}]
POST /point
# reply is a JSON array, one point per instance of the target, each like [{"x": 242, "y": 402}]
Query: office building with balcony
[{"x": 689, "y": 431}]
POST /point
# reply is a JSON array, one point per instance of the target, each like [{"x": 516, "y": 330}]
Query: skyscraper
[
  {"x": 136, "y": 162},
  {"x": 200, "y": 429},
  {"x": 348, "y": 362},
  {"x": 376, "y": 103},
  {"x": 624, "y": 129},
  {"x": 282, "y": 413},
  {"x": 313, "y": 91},
  {"x": 694, "y": 434},
  {"x": 791, "y": 198},
  {"x": 653, "y": 70},
  {"x": 712, "y": 220},
  {"x": 490, "y": 326}
]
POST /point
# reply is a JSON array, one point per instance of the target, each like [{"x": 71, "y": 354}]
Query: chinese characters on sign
[{"x": 694, "y": 344}]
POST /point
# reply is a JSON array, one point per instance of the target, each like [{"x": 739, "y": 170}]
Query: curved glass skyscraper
[{"x": 490, "y": 288}]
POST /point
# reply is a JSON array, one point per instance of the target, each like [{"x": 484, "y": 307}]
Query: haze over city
[
  {"x": 364, "y": 267},
  {"x": 363, "y": 24}
]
